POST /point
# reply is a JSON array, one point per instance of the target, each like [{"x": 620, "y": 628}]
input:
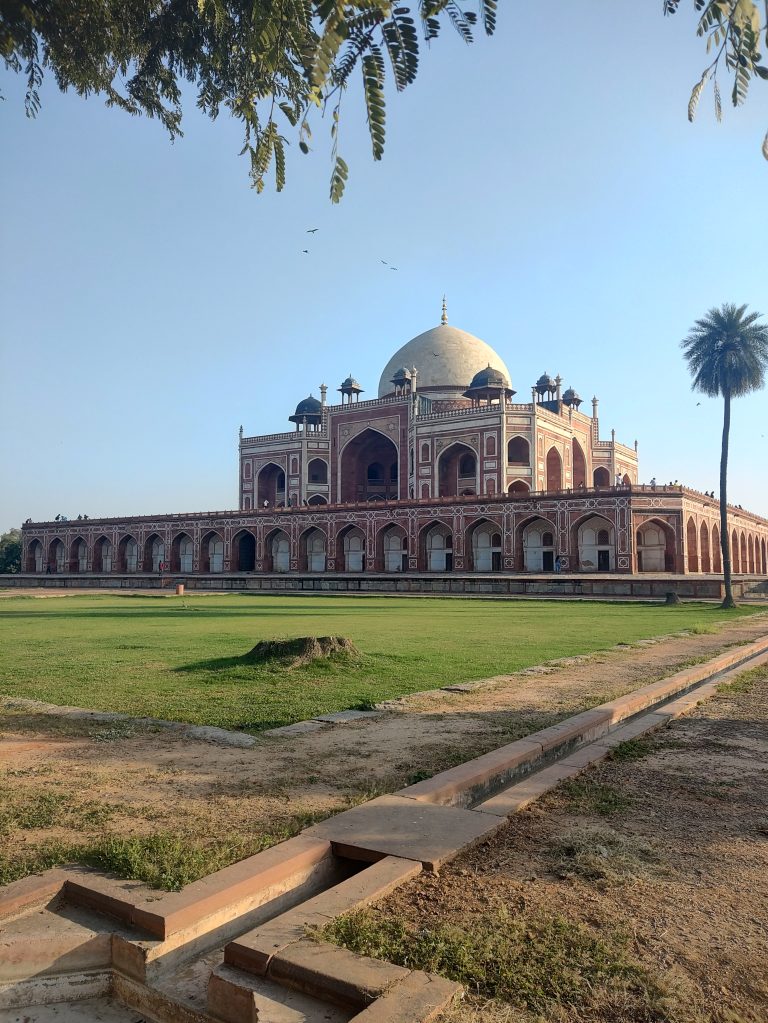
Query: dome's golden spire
[{"x": 444, "y": 317}]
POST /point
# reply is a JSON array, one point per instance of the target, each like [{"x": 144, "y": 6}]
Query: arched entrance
[
  {"x": 518, "y": 452},
  {"x": 596, "y": 540},
  {"x": 182, "y": 553},
  {"x": 212, "y": 553},
  {"x": 554, "y": 470},
  {"x": 485, "y": 544},
  {"x": 270, "y": 486},
  {"x": 437, "y": 545},
  {"x": 394, "y": 549},
  {"x": 539, "y": 546},
  {"x": 735, "y": 565},
  {"x": 35, "y": 560},
  {"x": 691, "y": 541},
  {"x": 277, "y": 550},
  {"x": 317, "y": 499},
  {"x": 78, "y": 555},
  {"x": 717, "y": 553},
  {"x": 350, "y": 542},
  {"x": 655, "y": 547},
  {"x": 154, "y": 553},
  {"x": 57, "y": 556},
  {"x": 705, "y": 562},
  {"x": 578, "y": 466},
  {"x": 369, "y": 469},
  {"x": 102, "y": 555},
  {"x": 763, "y": 553},
  {"x": 313, "y": 547},
  {"x": 457, "y": 471},
  {"x": 317, "y": 471},
  {"x": 751, "y": 555},
  {"x": 743, "y": 560},
  {"x": 128, "y": 555},
  {"x": 601, "y": 477},
  {"x": 243, "y": 551},
  {"x": 519, "y": 488}
]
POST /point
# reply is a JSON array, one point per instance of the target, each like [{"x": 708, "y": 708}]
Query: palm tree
[{"x": 727, "y": 354}]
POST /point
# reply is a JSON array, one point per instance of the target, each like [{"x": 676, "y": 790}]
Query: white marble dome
[{"x": 446, "y": 358}]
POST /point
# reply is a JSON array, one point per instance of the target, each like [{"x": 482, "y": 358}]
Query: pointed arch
[
  {"x": 392, "y": 548},
  {"x": 535, "y": 544},
  {"x": 751, "y": 554},
  {"x": 128, "y": 554},
  {"x": 313, "y": 550},
  {"x": 182, "y": 553},
  {"x": 717, "y": 553},
  {"x": 705, "y": 559},
  {"x": 655, "y": 547},
  {"x": 519, "y": 488},
  {"x": 277, "y": 551},
  {"x": 436, "y": 547},
  {"x": 102, "y": 555},
  {"x": 735, "y": 562},
  {"x": 692, "y": 545},
  {"x": 350, "y": 548},
  {"x": 35, "y": 557},
  {"x": 270, "y": 486},
  {"x": 518, "y": 451},
  {"x": 554, "y": 465},
  {"x": 317, "y": 472},
  {"x": 243, "y": 551},
  {"x": 457, "y": 470},
  {"x": 212, "y": 552},
  {"x": 369, "y": 468},
  {"x": 484, "y": 546},
  {"x": 154, "y": 553},
  {"x": 743, "y": 560},
  {"x": 78, "y": 555},
  {"x": 764, "y": 557},
  {"x": 578, "y": 465},
  {"x": 601, "y": 477},
  {"x": 594, "y": 542},
  {"x": 57, "y": 555}
]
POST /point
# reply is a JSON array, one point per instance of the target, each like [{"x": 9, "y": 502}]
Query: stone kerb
[{"x": 478, "y": 779}]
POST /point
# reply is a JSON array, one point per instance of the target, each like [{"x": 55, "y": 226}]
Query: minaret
[{"x": 323, "y": 393}]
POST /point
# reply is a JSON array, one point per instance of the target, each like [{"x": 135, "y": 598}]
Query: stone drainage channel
[{"x": 233, "y": 947}]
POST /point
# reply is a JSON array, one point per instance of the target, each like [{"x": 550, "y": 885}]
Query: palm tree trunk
[{"x": 725, "y": 540}]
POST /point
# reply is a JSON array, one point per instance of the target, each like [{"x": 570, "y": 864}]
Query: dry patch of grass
[
  {"x": 531, "y": 962},
  {"x": 602, "y": 855}
]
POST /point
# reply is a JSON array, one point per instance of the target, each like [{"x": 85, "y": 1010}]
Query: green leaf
[{"x": 338, "y": 179}]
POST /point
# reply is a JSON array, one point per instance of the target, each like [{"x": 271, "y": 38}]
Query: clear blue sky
[{"x": 546, "y": 180}]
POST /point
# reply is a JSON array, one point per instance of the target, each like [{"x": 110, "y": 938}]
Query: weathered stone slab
[
  {"x": 340, "y": 717},
  {"x": 417, "y": 999},
  {"x": 396, "y": 826},
  {"x": 300, "y": 728}
]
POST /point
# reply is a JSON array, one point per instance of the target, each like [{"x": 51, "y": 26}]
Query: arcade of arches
[{"x": 536, "y": 543}]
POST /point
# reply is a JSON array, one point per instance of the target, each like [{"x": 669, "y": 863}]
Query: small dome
[
  {"x": 489, "y": 377},
  {"x": 570, "y": 397},
  {"x": 545, "y": 383},
  {"x": 309, "y": 410},
  {"x": 309, "y": 407},
  {"x": 401, "y": 374},
  {"x": 350, "y": 384}
]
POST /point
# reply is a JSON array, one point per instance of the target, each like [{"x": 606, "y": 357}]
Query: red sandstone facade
[{"x": 442, "y": 473}]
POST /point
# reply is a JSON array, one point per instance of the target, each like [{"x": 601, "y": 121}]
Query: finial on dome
[{"x": 444, "y": 317}]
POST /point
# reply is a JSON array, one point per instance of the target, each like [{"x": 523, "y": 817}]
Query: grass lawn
[{"x": 182, "y": 658}]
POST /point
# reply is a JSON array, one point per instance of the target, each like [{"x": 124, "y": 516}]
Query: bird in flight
[
  {"x": 436, "y": 355},
  {"x": 698, "y": 403},
  {"x": 313, "y": 230},
  {"x": 393, "y": 268},
  {"x": 305, "y": 251}
]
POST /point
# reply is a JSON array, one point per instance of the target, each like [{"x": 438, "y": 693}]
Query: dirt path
[
  {"x": 662, "y": 853},
  {"x": 70, "y": 780}
]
